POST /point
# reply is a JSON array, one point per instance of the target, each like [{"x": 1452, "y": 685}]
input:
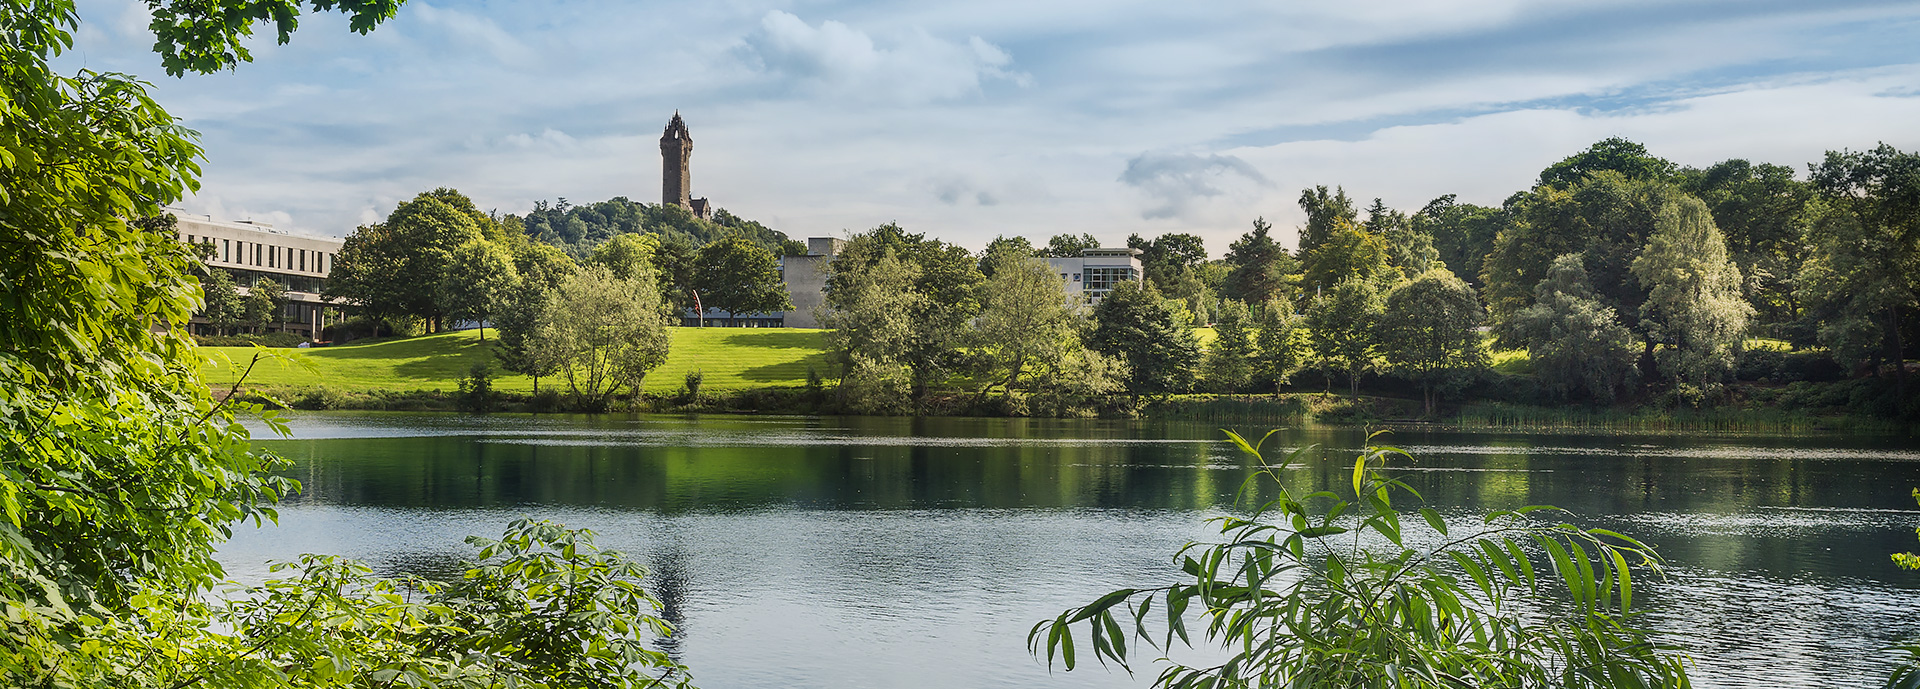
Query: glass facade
[{"x": 1100, "y": 279}]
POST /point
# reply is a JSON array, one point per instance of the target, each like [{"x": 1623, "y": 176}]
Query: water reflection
[{"x": 864, "y": 552}]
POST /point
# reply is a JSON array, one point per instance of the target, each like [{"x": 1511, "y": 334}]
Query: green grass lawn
[{"x": 730, "y": 358}]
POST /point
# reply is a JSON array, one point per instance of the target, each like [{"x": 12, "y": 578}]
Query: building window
[
  {"x": 226, "y": 250},
  {"x": 256, "y": 253},
  {"x": 273, "y": 256},
  {"x": 1076, "y": 277},
  {"x": 303, "y": 259},
  {"x": 1100, "y": 280}
]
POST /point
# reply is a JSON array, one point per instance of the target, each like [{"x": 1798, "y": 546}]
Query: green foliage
[
  {"x": 603, "y": 333},
  {"x": 1349, "y": 252},
  {"x": 1002, "y": 247},
  {"x": 224, "y": 308},
  {"x": 1693, "y": 305},
  {"x": 1280, "y": 351},
  {"x": 1348, "y": 589},
  {"x": 476, "y": 390},
  {"x": 1067, "y": 246},
  {"x": 1613, "y": 154},
  {"x": 1577, "y": 344},
  {"x": 1133, "y": 325},
  {"x": 922, "y": 318},
  {"x": 740, "y": 277},
  {"x": 396, "y": 268},
  {"x": 1259, "y": 269},
  {"x": 1324, "y": 212},
  {"x": 1025, "y": 318},
  {"x": 1340, "y": 328},
  {"x": 478, "y": 280},
  {"x": 265, "y": 303},
  {"x": 578, "y": 230},
  {"x": 1607, "y": 217},
  {"x": 1230, "y": 361},
  {"x": 1864, "y": 275},
  {"x": 1462, "y": 234},
  {"x": 1763, "y": 211},
  {"x": 1429, "y": 332}
]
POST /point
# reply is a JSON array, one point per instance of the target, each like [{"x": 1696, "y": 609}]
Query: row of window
[
  {"x": 1104, "y": 279},
  {"x": 257, "y": 254}
]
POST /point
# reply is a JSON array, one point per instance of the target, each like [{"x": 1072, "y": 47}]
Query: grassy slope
[{"x": 731, "y": 358}]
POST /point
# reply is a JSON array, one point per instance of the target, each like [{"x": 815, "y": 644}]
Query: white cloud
[
  {"x": 475, "y": 31},
  {"x": 839, "y": 60},
  {"x": 1176, "y": 183}
]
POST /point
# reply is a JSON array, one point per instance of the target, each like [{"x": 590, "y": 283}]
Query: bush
[
  {"x": 264, "y": 340},
  {"x": 1775, "y": 366},
  {"x": 476, "y": 390},
  {"x": 320, "y": 399},
  {"x": 1416, "y": 603},
  {"x": 690, "y": 389}
]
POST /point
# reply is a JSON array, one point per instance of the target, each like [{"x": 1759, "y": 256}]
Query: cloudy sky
[{"x": 971, "y": 119}]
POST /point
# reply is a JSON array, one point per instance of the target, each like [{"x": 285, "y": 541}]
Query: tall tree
[
  {"x": 396, "y": 267},
  {"x": 740, "y": 277},
  {"x": 627, "y": 256},
  {"x": 947, "y": 280},
  {"x": 1340, "y": 329},
  {"x": 1430, "y": 333},
  {"x": 1025, "y": 318},
  {"x": 266, "y": 302},
  {"x": 224, "y": 308},
  {"x": 606, "y": 334},
  {"x": 1279, "y": 345},
  {"x": 1694, "y": 305},
  {"x": 1003, "y": 245},
  {"x": 1230, "y": 361},
  {"x": 1575, "y": 341},
  {"x": 1876, "y": 193},
  {"x": 517, "y": 317},
  {"x": 1324, "y": 213},
  {"x": 1134, "y": 325},
  {"x": 1607, "y": 217},
  {"x": 871, "y": 304},
  {"x": 1349, "y": 253},
  {"x": 1462, "y": 234},
  {"x": 1614, "y": 154},
  {"x": 1409, "y": 247},
  {"x": 478, "y": 278},
  {"x": 1067, "y": 245},
  {"x": 1259, "y": 269},
  {"x": 1762, "y": 210}
]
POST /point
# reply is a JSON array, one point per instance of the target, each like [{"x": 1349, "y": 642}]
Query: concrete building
[
  {"x": 1096, "y": 271},
  {"x": 806, "y": 278},
  {"x": 249, "y": 250},
  {"x": 676, "y": 169}
]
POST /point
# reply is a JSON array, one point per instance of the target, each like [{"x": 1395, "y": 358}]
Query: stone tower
[{"x": 676, "y": 152}]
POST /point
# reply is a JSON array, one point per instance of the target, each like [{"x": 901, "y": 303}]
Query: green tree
[
  {"x": 119, "y": 472},
  {"x": 1259, "y": 269},
  {"x": 224, "y": 308},
  {"x": 1694, "y": 306},
  {"x": 1606, "y": 217},
  {"x": 1870, "y": 246},
  {"x": 871, "y": 303},
  {"x": 1001, "y": 246},
  {"x": 1230, "y": 361},
  {"x": 1349, "y": 253},
  {"x": 627, "y": 256},
  {"x": 478, "y": 278},
  {"x": 1462, "y": 234},
  {"x": 266, "y": 302},
  {"x": 1409, "y": 248},
  {"x": 1025, "y": 318},
  {"x": 517, "y": 318},
  {"x": 1279, "y": 347},
  {"x": 1762, "y": 210},
  {"x": 1430, "y": 333},
  {"x": 1324, "y": 212},
  {"x": 395, "y": 268},
  {"x": 946, "y": 279},
  {"x": 1405, "y": 602},
  {"x": 1612, "y": 154},
  {"x": 1133, "y": 325},
  {"x": 605, "y": 334},
  {"x": 1068, "y": 246},
  {"x": 1340, "y": 329},
  {"x": 1576, "y": 343},
  {"x": 740, "y": 277}
]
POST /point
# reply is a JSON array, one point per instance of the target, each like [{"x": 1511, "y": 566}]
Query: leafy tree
[
  {"x": 1230, "y": 362},
  {"x": 1168, "y": 256},
  {"x": 1279, "y": 348},
  {"x": 1349, "y": 253},
  {"x": 1133, "y": 325},
  {"x": 1462, "y": 234},
  {"x": 946, "y": 280},
  {"x": 1576, "y": 342},
  {"x": 1076, "y": 383},
  {"x": 1763, "y": 211},
  {"x": 1871, "y": 248},
  {"x": 1004, "y": 246},
  {"x": 1324, "y": 213},
  {"x": 627, "y": 256},
  {"x": 477, "y": 281},
  {"x": 871, "y": 303},
  {"x": 676, "y": 269},
  {"x": 266, "y": 300},
  {"x": 517, "y": 317},
  {"x": 1430, "y": 332},
  {"x": 1025, "y": 317},
  {"x": 1409, "y": 248},
  {"x": 1340, "y": 329},
  {"x": 578, "y": 230},
  {"x": 1292, "y": 606},
  {"x": 605, "y": 334},
  {"x": 119, "y": 472},
  {"x": 224, "y": 308},
  {"x": 1694, "y": 306},
  {"x": 1067, "y": 246},
  {"x": 1606, "y": 218},
  {"x": 395, "y": 268},
  {"x": 1613, "y": 154},
  {"x": 738, "y": 276},
  {"x": 1259, "y": 269}
]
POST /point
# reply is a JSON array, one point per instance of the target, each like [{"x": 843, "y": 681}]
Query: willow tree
[
  {"x": 1694, "y": 305},
  {"x": 1576, "y": 343}
]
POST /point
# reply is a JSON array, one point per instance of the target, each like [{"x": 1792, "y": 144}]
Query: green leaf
[{"x": 1434, "y": 520}]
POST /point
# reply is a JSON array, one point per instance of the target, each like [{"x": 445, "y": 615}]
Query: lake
[{"x": 868, "y": 552}]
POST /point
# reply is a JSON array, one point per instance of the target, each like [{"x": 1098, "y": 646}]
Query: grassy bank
[{"x": 729, "y": 358}]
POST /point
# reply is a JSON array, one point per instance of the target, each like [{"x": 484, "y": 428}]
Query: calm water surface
[{"x": 804, "y": 552}]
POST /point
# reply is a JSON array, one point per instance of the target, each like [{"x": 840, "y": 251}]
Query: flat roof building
[
  {"x": 249, "y": 250},
  {"x": 1095, "y": 272}
]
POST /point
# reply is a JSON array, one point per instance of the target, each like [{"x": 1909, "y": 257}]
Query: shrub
[
  {"x": 1327, "y": 590},
  {"x": 476, "y": 390}
]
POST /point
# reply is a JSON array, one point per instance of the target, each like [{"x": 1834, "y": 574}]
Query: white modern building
[
  {"x": 249, "y": 250},
  {"x": 1095, "y": 272}
]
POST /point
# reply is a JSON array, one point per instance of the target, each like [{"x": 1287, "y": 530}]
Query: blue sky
[{"x": 967, "y": 120}]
